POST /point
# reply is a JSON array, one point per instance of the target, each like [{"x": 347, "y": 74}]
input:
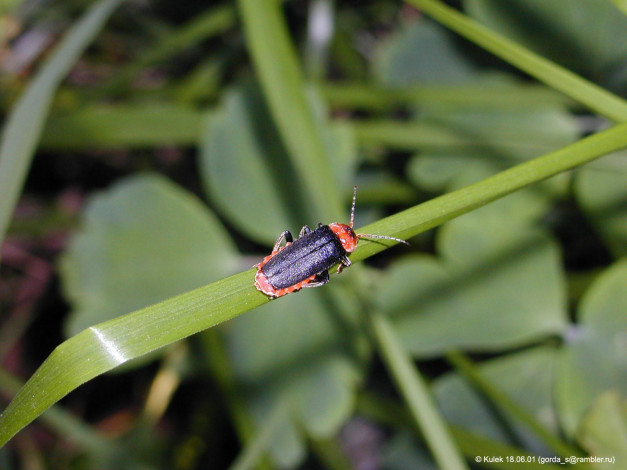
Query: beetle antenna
[
  {"x": 384, "y": 237},
  {"x": 353, "y": 206}
]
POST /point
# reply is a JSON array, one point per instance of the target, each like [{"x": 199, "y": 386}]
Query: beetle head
[{"x": 346, "y": 235}]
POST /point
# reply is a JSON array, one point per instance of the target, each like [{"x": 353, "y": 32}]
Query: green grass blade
[
  {"x": 284, "y": 87},
  {"x": 102, "y": 347},
  {"x": 436, "y": 211},
  {"x": 470, "y": 443},
  {"x": 212, "y": 22},
  {"x": 25, "y": 123},
  {"x": 417, "y": 136},
  {"x": 475, "y": 445},
  {"x": 622, "y": 4},
  {"x": 254, "y": 451},
  {"x": 107, "y": 345},
  {"x": 134, "y": 125},
  {"x": 417, "y": 395},
  {"x": 557, "y": 77},
  {"x": 62, "y": 422},
  {"x": 363, "y": 96},
  {"x": 502, "y": 400}
]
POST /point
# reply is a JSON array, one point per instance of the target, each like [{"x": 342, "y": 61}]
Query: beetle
[{"x": 305, "y": 262}]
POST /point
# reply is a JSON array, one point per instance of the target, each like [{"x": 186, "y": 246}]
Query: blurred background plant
[{"x": 157, "y": 147}]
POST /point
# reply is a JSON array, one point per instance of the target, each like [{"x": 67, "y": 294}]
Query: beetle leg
[
  {"x": 304, "y": 231},
  {"x": 344, "y": 263},
  {"x": 320, "y": 280},
  {"x": 287, "y": 236}
]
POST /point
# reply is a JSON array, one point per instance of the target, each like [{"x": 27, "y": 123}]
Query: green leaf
[
  {"x": 143, "y": 241},
  {"x": 526, "y": 377},
  {"x": 242, "y": 149},
  {"x": 123, "y": 126},
  {"x": 476, "y": 296},
  {"x": 421, "y": 53},
  {"x": 603, "y": 430},
  {"x": 24, "y": 125},
  {"x": 586, "y": 36},
  {"x": 594, "y": 357},
  {"x": 603, "y": 197},
  {"x": 304, "y": 351}
]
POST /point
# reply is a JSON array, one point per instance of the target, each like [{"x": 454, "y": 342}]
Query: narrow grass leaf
[
  {"x": 138, "y": 125},
  {"x": 471, "y": 444},
  {"x": 253, "y": 452},
  {"x": 417, "y": 395},
  {"x": 500, "y": 96},
  {"x": 500, "y": 398},
  {"x": 25, "y": 123},
  {"x": 210, "y": 23},
  {"x": 588, "y": 37},
  {"x": 559, "y": 78},
  {"x": 58, "y": 419},
  {"x": 102, "y": 347},
  {"x": 281, "y": 78}
]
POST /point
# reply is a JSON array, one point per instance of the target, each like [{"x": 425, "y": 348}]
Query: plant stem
[{"x": 417, "y": 394}]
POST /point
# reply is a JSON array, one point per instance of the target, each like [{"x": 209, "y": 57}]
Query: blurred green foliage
[{"x": 196, "y": 135}]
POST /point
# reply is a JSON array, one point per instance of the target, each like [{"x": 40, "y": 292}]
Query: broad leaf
[
  {"x": 477, "y": 296},
  {"x": 594, "y": 359},
  {"x": 602, "y": 194},
  {"x": 302, "y": 351},
  {"x": 421, "y": 52},
  {"x": 143, "y": 241},
  {"x": 248, "y": 174},
  {"x": 603, "y": 431},
  {"x": 501, "y": 139}
]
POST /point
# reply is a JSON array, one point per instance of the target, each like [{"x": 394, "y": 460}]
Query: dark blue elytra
[{"x": 313, "y": 253}]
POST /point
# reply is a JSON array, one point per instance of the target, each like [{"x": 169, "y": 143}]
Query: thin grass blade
[
  {"x": 557, "y": 77},
  {"x": 284, "y": 87},
  {"x": 416, "y": 393},
  {"x": 25, "y": 123}
]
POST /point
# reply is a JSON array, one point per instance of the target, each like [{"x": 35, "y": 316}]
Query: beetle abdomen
[{"x": 311, "y": 254}]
